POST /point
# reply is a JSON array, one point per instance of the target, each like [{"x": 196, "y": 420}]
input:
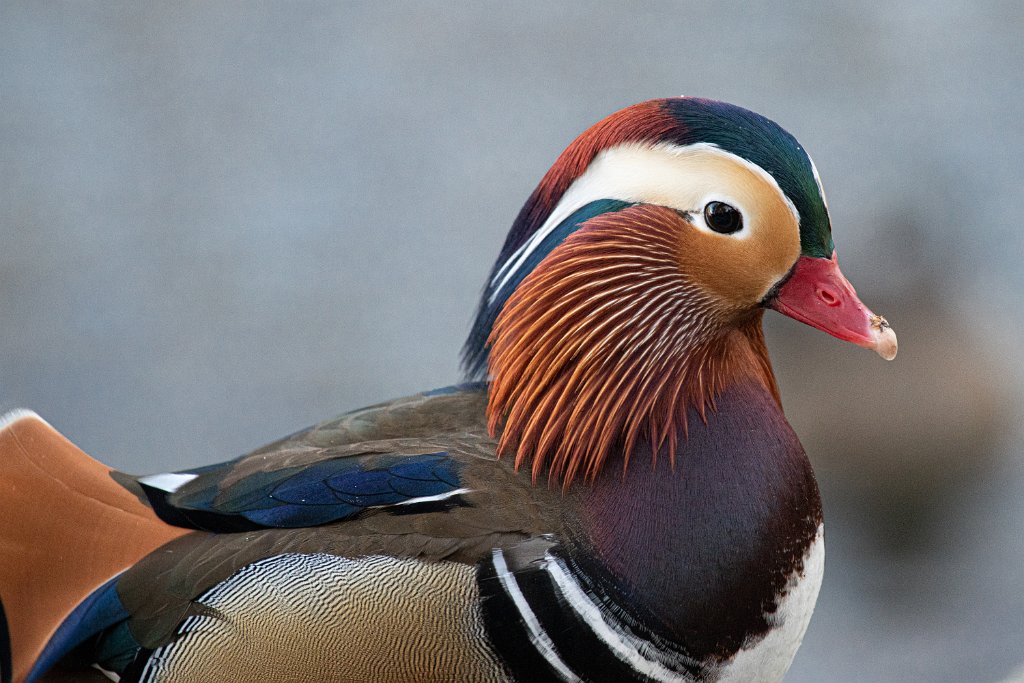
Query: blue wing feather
[
  {"x": 311, "y": 495},
  {"x": 97, "y": 613}
]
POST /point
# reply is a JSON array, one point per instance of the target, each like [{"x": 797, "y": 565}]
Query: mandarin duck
[{"x": 617, "y": 498}]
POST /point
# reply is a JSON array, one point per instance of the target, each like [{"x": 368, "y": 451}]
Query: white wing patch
[
  {"x": 431, "y": 499},
  {"x": 168, "y": 481}
]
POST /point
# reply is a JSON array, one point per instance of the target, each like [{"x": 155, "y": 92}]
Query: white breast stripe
[
  {"x": 538, "y": 637},
  {"x": 626, "y": 647}
]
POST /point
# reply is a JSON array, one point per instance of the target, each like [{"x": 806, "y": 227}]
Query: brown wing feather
[{"x": 502, "y": 508}]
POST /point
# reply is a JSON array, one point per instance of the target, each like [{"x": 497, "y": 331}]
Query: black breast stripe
[
  {"x": 571, "y": 638},
  {"x": 576, "y": 641},
  {"x": 509, "y": 635},
  {"x": 604, "y": 589}
]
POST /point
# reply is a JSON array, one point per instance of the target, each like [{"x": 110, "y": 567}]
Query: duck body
[
  {"x": 667, "y": 573},
  {"x": 621, "y": 500}
]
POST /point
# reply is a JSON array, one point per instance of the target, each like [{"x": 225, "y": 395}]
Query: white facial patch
[{"x": 665, "y": 174}]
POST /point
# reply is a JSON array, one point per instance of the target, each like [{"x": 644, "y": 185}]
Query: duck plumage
[{"x": 621, "y": 499}]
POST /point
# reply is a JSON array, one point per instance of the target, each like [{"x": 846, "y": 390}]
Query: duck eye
[{"x": 723, "y": 218}]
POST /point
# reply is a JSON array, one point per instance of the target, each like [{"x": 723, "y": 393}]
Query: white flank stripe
[
  {"x": 625, "y": 647},
  {"x": 539, "y": 638},
  {"x": 149, "y": 669},
  {"x": 109, "y": 674},
  {"x": 168, "y": 481}
]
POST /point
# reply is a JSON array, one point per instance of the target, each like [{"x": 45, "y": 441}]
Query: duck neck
[
  {"x": 704, "y": 547},
  {"x": 608, "y": 343}
]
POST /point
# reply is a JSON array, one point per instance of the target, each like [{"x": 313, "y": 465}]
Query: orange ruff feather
[{"x": 607, "y": 343}]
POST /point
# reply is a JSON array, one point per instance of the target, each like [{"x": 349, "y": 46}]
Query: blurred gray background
[{"x": 221, "y": 222}]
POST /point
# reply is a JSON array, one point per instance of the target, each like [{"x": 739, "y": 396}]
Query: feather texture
[
  {"x": 328, "y": 490},
  {"x": 680, "y": 121},
  {"x": 621, "y": 332},
  {"x": 608, "y": 343}
]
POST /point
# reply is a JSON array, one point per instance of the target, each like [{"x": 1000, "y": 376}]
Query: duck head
[{"x": 631, "y": 287}]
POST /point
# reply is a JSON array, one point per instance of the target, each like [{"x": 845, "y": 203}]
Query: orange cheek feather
[
  {"x": 739, "y": 271},
  {"x": 606, "y": 344}
]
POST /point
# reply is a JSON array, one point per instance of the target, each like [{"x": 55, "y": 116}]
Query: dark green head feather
[{"x": 765, "y": 143}]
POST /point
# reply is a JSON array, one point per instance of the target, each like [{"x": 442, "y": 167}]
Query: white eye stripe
[{"x": 664, "y": 173}]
